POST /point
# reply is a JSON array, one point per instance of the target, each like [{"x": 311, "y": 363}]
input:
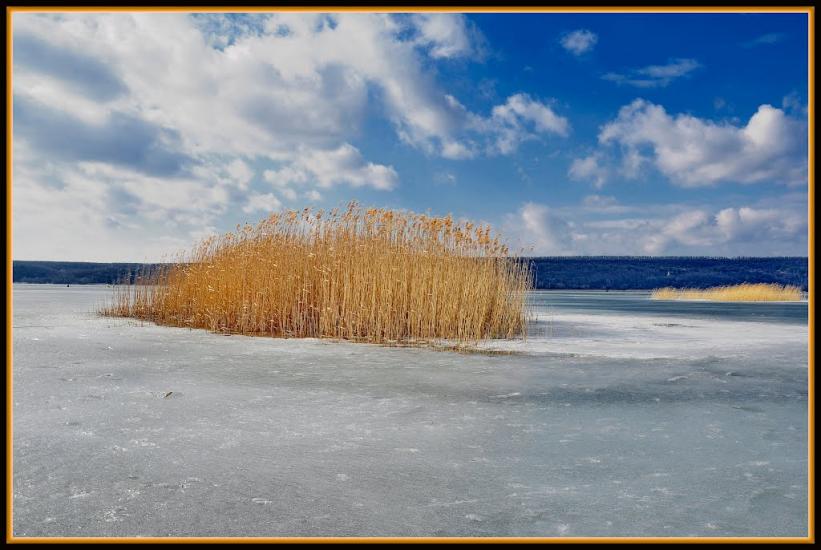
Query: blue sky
[{"x": 653, "y": 134}]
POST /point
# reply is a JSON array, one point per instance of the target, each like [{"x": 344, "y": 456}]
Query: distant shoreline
[{"x": 551, "y": 273}]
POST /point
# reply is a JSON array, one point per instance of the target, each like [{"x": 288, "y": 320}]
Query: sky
[{"x": 137, "y": 134}]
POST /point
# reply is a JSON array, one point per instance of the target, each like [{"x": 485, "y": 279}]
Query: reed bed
[
  {"x": 374, "y": 275},
  {"x": 735, "y": 293}
]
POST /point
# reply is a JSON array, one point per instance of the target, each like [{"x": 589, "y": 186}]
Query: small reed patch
[
  {"x": 746, "y": 292},
  {"x": 377, "y": 276}
]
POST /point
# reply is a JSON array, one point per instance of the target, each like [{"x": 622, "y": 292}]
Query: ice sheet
[{"x": 602, "y": 424}]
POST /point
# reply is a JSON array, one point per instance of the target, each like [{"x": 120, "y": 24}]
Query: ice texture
[{"x": 615, "y": 417}]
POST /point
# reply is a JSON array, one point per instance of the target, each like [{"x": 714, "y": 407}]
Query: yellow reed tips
[
  {"x": 747, "y": 292},
  {"x": 370, "y": 275}
]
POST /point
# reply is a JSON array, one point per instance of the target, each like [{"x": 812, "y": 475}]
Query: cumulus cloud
[
  {"x": 782, "y": 230},
  {"x": 756, "y": 223},
  {"x": 521, "y": 108},
  {"x": 655, "y": 76},
  {"x": 200, "y": 103},
  {"x": 97, "y": 211},
  {"x": 455, "y": 150},
  {"x": 313, "y": 195},
  {"x": 241, "y": 173},
  {"x": 540, "y": 230},
  {"x": 79, "y": 70},
  {"x": 601, "y": 226},
  {"x": 122, "y": 139},
  {"x": 579, "y": 41},
  {"x": 447, "y": 35},
  {"x": 259, "y": 202},
  {"x": 330, "y": 167},
  {"x": 693, "y": 152},
  {"x": 278, "y": 81},
  {"x": 687, "y": 228},
  {"x": 588, "y": 168},
  {"x": 519, "y": 119}
]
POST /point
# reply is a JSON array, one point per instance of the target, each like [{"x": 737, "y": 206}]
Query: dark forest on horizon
[{"x": 560, "y": 272}]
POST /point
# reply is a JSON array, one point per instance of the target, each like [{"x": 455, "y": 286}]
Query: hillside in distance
[
  {"x": 75, "y": 273},
  {"x": 644, "y": 273},
  {"x": 560, "y": 272}
]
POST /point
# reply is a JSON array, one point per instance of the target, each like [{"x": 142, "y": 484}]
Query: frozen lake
[{"x": 618, "y": 416}]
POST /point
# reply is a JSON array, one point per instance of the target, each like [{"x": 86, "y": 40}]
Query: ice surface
[{"x": 616, "y": 417}]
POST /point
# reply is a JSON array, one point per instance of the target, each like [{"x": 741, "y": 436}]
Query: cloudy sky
[{"x": 649, "y": 134}]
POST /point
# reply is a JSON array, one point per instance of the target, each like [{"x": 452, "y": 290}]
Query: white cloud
[
  {"x": 674, "y": 69},
  {"x": 259, "y": 202},
  {"x": 686, "y": 229},
  {"x": 276, "y": 83},
  {"x": 96, "y": 212},
  {"x": 588, "y": 169},
  {"x": 537, "y": 230},
  {"x": 754, "y": 223},
  {"x": 753, "y": 229},
  {"x": 448, "y": 35},
  {"x": 519, "y": 119},
  {"x": 792, "y": 103},
  {"x": 579, "y": 41},
  {"x": 326, "y": 168},
  {"x": 286, "y": 176},
  {"x": 769, "y": 38},
  {"x": 521, "y": 108},
  {"x": 696, "y": 152},
  {"x": 345, "y": 164},
  {"x": 241, "y": 172},
  {"x": 655, "y": 76},
  {"x": 191, "y": 106},
  {"x": 455, "y": 150},
  {"x": 601, "y": 226},
  {"x": 294, "y": 80}
]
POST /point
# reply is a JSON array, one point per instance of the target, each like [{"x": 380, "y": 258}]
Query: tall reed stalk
[{"x": 371, "y": 275}]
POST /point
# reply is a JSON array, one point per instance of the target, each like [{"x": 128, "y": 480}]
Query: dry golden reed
[
  {"x": 370, "y": 275},
  {"x": 735, "y": 293}
]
